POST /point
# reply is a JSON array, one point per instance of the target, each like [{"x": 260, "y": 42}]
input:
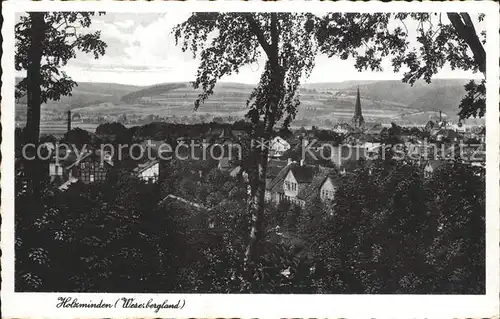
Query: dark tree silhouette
[
  {"x": 290, "y": 50},
  {"x": 370, "y": 38},
  {"x": 54, "y": 38}
]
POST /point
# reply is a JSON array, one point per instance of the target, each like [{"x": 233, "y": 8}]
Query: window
[
  {"x": 290, "y": 186},
  {"x": 427, "y": 174},
  {"x": 91, "y": 177},
  {"x": 327, "y": 194}
]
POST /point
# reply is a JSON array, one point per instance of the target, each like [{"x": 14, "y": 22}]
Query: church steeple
[{"x": 357, "y": 119}]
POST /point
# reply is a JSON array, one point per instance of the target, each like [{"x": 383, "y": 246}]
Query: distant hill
[
  {"x": 440, "y": 94},
  {"x": 333, "y": 86},
  {"x": 151, "y": 91},
  {"x": 382, "y": 101},
  {"x": 88, "y": 93}
]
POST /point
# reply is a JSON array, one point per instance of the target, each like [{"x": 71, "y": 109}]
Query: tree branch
[
  {"x": 256, "y": 29},
  {"x": 404, "y": 24},
  {"x": 465, "y": 29},
  {"x": 274, "y": 34}
]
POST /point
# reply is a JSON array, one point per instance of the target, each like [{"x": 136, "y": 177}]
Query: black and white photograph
[{"x": 175, "y": 152}]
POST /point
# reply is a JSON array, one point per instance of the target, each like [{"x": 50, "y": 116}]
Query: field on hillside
[
  {"x": 60, "y": 127},
  {"x": 383, "y": 101}
]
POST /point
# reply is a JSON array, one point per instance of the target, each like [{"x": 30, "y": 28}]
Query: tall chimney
[
  {"x": 69, "y": 120},
  {"x": 440, "y": 117}
]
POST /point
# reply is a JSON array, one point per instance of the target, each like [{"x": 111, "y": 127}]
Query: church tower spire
[{"x": 357, "y": 119}]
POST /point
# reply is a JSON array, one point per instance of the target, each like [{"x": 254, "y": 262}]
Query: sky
[{"x": 141, "y": 51}]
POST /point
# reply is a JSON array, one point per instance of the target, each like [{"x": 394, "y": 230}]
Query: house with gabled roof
[
  {"x": 431, "y": 166},
  {"x": 445, "y": 134},
  {"x": 343, "y": 128},
  {"x": 297, "y": 182},
  {"x": 225, "y": 164},
  {"x": 278, "y": 146},
  {"x": 297, "y": 178},
  {"x": 88, "y": 168},
  {"x": 148, "y": 171},
  {"x": 323, "y": 186}
]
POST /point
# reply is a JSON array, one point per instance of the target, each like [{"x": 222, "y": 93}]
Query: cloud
[
  {"x": 140, "y": 45},
  {"x": 124, "y": 24},
  {"x": 142, "y": 51}
]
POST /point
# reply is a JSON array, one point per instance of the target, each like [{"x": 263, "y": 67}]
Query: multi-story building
[
  {"x": 297, "y": 183},
  {"x": 89, "y": 169}
]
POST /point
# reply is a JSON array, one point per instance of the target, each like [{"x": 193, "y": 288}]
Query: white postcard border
[{"x": 33, "y": 305}]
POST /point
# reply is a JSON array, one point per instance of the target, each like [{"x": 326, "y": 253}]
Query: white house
[
  {"x": 55, "y": 169},
  {"x": 291, "y": 187},
  {"x": 431, "y": 167},
  {"x": 278, "y": 146},
  {"x": 342, "y": 128},
  {"x": 148, "y": 171},
  {"x": 372, "y": 149},
  {"x": 327, "y": 189}
]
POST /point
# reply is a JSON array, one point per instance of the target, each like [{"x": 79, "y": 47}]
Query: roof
[
  {"x": 221, "y": 132},
  {"x": 225, "y": 163},
  {"x": 144, "y": 166},
  {"x": 154, "y": 143},
  {"x": 239, "y": 132},
  {"x": 68, "y": 183},
  {"x": 279, "y": 177},
  {"x": 68, "y": 160},
  {"x": 315, "y": 185},
  {"x": 434, "y": 164},
  {"x": 343, "y": 126},
  {"x": 375, "y": 130},
  {"x": 341, "y": 154},
  {"x": 303, "y": 174},
  {"x": 171, "y": 197},
  {"x": 447, "y": 132},
  {"x": 274, "y": 167},
  {"x": 72, "y": 159}
]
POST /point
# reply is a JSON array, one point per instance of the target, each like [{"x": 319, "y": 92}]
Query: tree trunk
[
  {"x": 258, "y": 182},
  {"x": 256, "y": 207},
  {"x": 262, "y": 135},
  {"x": 32, "y": 130}
]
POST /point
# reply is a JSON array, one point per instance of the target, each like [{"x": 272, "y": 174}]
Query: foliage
[
  {"x": 474, "y": 102},
  {"x": 62, "y": 41},
  {"x": 368, "y": 38},
  {"x": 77, "y": 137},
  {"x": 114, "y": 128},
  {"x": 388, "y": 230},
  {"x": 396, "y": 232},
  {"x": 237, "y": 40}
]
